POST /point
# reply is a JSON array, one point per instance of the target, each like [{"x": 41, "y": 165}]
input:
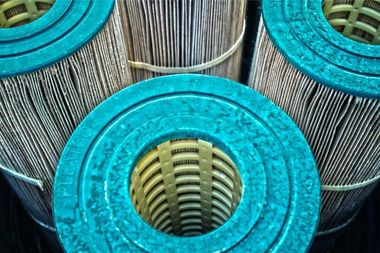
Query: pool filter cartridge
[
  {"x": 320, "y": 62},
  {"x": 184, "y": 36},
  {"x": 58, "y": 60},
  {"x": 186, "y": 163}
]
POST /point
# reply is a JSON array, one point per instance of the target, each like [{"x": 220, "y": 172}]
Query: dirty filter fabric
[
  {"x": 40, "y": 110},
  {"x": 180, "y": 36},
  {"x": 343, "y": 130}
]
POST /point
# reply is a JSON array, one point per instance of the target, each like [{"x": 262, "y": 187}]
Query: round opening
[
  {"x": 185, "y": 187},
  {"x": 20, "y": 12},
  {"x": 358, "y": 20}
]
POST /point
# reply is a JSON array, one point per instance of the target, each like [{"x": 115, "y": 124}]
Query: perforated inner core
[
  {"x": 185, "y": 187},
  {"x": 358, "y": 20},
  {"x": 20, "y": 12}
]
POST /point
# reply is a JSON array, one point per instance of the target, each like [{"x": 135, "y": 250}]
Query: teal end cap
[
  {"x": 63, "y": 30},
  {"x": 280, "y": 202},
  {"x": 303, "y": 35}
]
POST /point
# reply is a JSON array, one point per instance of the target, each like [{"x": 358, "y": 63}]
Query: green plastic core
[
  {"x": 185, "y": 187},
  {"x": 358, "y": 20},
  {"x": 20, "y": 12}
]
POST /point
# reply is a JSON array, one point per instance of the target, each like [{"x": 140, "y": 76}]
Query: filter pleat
[{"x": 182, "y": 34}]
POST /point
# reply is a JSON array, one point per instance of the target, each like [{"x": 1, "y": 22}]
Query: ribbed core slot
[
  {"x": 356, "y": 19},
  {"x": 17, "y": 13},
  {"x": 185, "y": 187}
]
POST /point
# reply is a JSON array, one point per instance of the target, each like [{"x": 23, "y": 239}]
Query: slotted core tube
[
  {"x": 358, "y": 20},
  {"x": 185, "y": 187},
  {"x": 17, "y": 13},
  {"x": 329, "y": 83}
]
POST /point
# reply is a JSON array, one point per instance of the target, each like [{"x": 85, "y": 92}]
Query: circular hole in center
[
  {"x": 21, "y": 12},
  {"x": 185, "y": 187},
  {"x": 356, "y": 19}
]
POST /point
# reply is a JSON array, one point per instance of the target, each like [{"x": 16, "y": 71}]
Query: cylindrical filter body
[
  {"x": 54, "y": 68},
  {"x": 330, "y": 85}
]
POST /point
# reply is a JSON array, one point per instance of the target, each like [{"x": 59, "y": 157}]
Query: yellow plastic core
[
  {"x": 358, "y": 20},
  {"x": 185, "y": 187},
  {"x": 20, "y": 12}
]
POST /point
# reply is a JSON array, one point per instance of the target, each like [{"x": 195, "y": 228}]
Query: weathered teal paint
[
  {"x": 306, "y": 39},
  {"x": 280, "y": 203},
  {"x": 63, "y": 30}
]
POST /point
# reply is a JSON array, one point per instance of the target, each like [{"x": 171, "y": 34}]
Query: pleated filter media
[
  {"x": 184, "y": 36},
  {"x": 320, "y": 62},
  {"x": 51, "y": 79}
]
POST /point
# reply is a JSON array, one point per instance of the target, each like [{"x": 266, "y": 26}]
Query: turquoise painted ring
[
  {"x": 279, "y": 205},
  {"x": 63, "y": 30},
  {"x": 306, "y": 39}
]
